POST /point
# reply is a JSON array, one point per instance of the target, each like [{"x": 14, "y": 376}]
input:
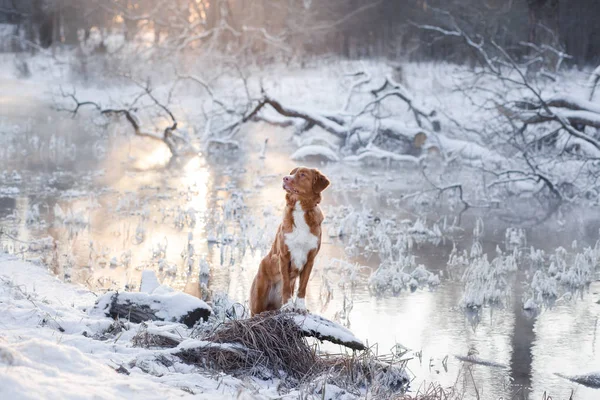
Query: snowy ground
[{"x": 51, "y": 348}]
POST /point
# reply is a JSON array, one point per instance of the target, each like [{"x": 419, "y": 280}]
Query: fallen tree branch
[
  {"x": 366, "y": 79},
  {"x": 398, "y": 90},
  {"x": 130, "y": 116},
  {"x": 571, "y": 117},
  {"x": 325, "y": 123}
]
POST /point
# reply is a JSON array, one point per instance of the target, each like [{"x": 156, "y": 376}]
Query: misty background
[{"x": 304, "y": 28}]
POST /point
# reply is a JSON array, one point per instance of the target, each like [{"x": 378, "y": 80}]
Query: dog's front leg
[
  {"x": 304, "y": 275},
  {"x": 284, "y": 268}
]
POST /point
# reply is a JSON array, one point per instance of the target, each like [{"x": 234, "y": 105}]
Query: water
[{"x": 113, "y": 207}]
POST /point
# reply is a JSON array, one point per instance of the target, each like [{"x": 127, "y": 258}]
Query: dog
[{"x": 296, "y": 245}]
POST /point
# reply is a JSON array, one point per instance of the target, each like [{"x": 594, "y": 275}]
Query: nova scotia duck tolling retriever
[{"x": 296, "y": 245}]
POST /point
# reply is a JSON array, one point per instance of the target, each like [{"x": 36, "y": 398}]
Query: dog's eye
[{"x": 302, "y": 175}]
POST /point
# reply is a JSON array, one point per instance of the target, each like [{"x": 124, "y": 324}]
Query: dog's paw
[
  {"x": 288, "y": 306},
  {"x": 300, "y": 304}
]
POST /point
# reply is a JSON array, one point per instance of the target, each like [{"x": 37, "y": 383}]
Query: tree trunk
[
  {"x": 42, "y": 24},
  {"x": 543, "y": 14}
]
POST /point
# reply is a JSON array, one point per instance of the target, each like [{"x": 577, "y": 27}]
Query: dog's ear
[
  {"x": 320, "y": 183},
  {"x": 294, "y": 171}
]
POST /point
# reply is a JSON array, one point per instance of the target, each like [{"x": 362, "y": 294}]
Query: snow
[
  {"x": 530, "y": 305},
  {"x": 168, "y": 304},
  {"x": 317, "y": 138},
  {"x": 572, "y": 102},
  {"x": 400, "y": 274},
  {"x": 51, "y": 347},
  {"x": 330, "y": 391},
  {"x": 469, "y": 151},
  {"x": 48, "y": 348},
  {"x": 324, "y": 328},
  {"x": 319, "y": 117},
  {"x": 315, "y": 151},
  {"x": 396, "y": 127},
  {"x": 43, "y": 369},
  {"x": 149, "y": 281},
  {"x": 193, "y": 344},
  {"x": 9, "y": 191},
  {"x": 373, "y": 152}
]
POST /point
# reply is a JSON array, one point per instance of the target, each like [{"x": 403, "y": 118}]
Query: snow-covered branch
[{"x": 168, "y": 136}]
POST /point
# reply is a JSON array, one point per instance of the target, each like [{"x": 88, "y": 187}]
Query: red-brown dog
[{"x": 296, "y": 245}]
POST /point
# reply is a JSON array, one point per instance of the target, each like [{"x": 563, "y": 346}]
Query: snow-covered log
[
  {"x": 575, "y": 117},
  {"x": 571, "y": 113},
  {"x": 571, "y": 108},
  {"x": 568, "y": 101},
  {"x": 356, "y": 133},
  {"x": 163, "y": 304},
  {"x": 322, "y": 152},
  {"x": 388, "y": 134},
  {"x": 375, "y": 153},
  {"x": 324, "y": 329}
]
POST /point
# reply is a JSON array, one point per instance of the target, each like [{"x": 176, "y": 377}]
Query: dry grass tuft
[
  {"x": 146, "y": 339},
  {"x": 267, "y": 342},
  {"x": 432, "y": 392},
  {"x": 272, "y": 345}
]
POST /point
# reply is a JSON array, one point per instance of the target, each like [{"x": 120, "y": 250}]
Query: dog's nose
[{"x": 286, "y": 179}]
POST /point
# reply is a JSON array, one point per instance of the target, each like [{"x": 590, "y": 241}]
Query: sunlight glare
[{"x": 160, "y": 156}]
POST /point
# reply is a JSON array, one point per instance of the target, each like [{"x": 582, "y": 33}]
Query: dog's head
[{"x": 305, "y": 182}]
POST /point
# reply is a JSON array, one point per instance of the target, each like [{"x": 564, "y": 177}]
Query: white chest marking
[{"x": 300, "y": 240}]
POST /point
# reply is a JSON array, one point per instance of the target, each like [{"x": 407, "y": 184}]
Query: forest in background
[{"x": 390, "y": 29}]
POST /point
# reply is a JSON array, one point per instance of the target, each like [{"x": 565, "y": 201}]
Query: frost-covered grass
[
  {"x": 561, "y": 275},
  {"x": 558, "y": 275},
  {"x": 486, "y": 282}
]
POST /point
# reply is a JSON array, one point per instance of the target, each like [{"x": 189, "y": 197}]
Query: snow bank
[
  {"x": 42, "y": 369},
  {"x": 50, "y": 348}
]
